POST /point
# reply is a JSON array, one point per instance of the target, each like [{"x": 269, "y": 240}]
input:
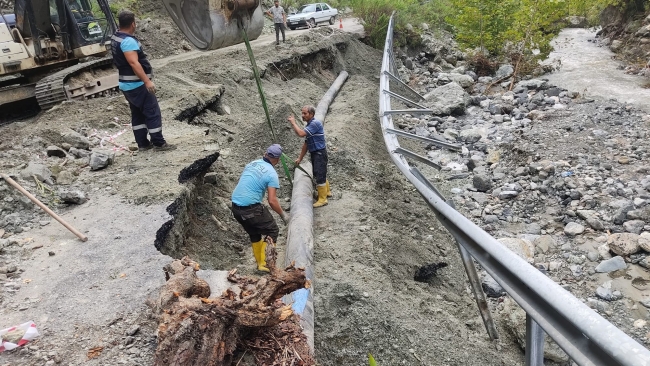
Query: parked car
[{"x": 311, "y": 14}]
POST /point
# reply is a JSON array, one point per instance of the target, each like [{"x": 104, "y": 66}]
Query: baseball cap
[{"x": 274, "y": 151}]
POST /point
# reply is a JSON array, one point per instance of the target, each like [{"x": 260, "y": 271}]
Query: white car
[{"x": 311, "y": 14}]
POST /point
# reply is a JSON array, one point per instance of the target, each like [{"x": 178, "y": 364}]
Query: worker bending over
[
  {"x": 314, "y": 135},
  {"x": 258, "y": 177}
]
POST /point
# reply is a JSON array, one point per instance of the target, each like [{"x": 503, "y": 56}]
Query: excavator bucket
[{"x": 213, "y": 24}]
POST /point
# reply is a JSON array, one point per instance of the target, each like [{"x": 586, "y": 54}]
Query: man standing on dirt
[
  {"x": 279, "y": 20},
  {"x": 258, "y": 177},
  {"x": 314, "y": 135},
  {"x": 135, "y": 75}
]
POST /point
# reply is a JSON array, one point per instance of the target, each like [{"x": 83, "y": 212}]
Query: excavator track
[{"x": 52, "y": 89}]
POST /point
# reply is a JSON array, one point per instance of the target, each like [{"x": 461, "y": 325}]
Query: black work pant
[
  {"x": 279, "y": 27},
  {"x": 256, "y": 221},
  {"x": 145, "y": 117},
  {"x": 319, "y": 165}
]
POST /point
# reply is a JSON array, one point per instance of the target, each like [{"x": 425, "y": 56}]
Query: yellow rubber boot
[
  {"x": 322, "y": 196},
  {"x": 329, "y": 192},
  {"x": 259, "y": 251}
]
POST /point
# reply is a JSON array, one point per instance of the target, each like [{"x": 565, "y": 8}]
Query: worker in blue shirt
[
  {"x": 259, "y": 177},
  {"x": 135, "y": 74},
  {"x": 314, "y": 135}
]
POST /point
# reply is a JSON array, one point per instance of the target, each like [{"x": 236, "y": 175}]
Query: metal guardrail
[{"x": 585, "y": 336}]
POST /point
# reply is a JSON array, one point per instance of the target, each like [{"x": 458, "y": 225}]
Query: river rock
[
  {"x": 65, "y": 177},
  {"x": 79, "y": 153},
  {"x": 544, "y": 243},
  {"x": 41, "y": 172},
  {"x": 573, "y": 229},
  {"x": 482, "y": 182},
  {"x": 75, "y": 139},
  {"x": 521, "y": 247},
  {"x": 491, "y": 287},
  {"x": 463, "y": 80},
  {"x": 533, "y": 84},
  {"x": 640, "y": 214},
  {"x": 610, "y": 265},
  {"x": 504, "y": 71},
  {"x": 470, "y": 136},
  {"x": 623, "y": 243},
  {"x": 74, "y": 196},
  {"x": 605, "y": 292},
  {"x": 644, "y": 241},
  {"x": 448, "y": 99},
  {"x": 634, "y": 226},
  {"x": 56, "y": 151},
  {"x": 100, "y": 160}
]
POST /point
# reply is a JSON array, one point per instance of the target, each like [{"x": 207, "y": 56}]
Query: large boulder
[
  {"x": 463, "y": 80},
  {"x": 75, "y": 139},
  {"x": 624, "y": 244},
  {"x": 40, "y": 171},
  {"x": 448, "y": 99}
]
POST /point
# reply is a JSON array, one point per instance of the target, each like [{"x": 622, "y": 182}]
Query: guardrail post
[
  {"x": 477, "y": 290},
  {"x": 534, "y": 343}
]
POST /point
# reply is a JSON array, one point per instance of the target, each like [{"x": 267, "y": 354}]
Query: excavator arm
[{"x": 213, "y": 24}]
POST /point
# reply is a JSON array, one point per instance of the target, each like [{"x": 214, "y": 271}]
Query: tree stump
[{"x": 248, "y": 317}]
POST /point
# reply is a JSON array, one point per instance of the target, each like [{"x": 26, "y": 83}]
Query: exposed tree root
[{"x": 195, "y": 329}]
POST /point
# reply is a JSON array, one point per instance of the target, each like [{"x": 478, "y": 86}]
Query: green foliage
[
  {"x": 119, "y": 5},
  {"x": 371, "y": 360},
  {"x": 375, "y": 15}
]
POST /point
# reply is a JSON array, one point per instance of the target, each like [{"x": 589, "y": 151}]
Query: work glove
[{"x": 285, "y": 217}]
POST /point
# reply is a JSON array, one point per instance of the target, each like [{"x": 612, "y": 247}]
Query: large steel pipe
[{"x": 213, "y": 24}]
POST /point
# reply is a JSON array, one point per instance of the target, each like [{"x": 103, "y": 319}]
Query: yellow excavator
[{"x": 43, "y": 43}]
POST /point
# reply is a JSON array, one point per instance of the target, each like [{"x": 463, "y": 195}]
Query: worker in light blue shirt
[
  {"x": 135, "y": 74},
  {"x": 259, "y": 177}
]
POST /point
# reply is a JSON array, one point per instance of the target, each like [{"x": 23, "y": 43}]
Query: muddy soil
[{"x": 369, "y": 240}]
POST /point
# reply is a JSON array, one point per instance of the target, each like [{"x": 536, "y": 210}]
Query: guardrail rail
[{"x": 587, "y": 337}]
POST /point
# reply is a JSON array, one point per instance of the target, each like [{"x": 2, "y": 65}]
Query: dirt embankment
[{"x": 626, "y": 31}]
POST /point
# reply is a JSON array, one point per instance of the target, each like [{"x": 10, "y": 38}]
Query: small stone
[
  {"x": 573, "y": 229},
  {"x": 640, "y": 323},
  {"x": 605, "y": 294},
  {"x": 79, "y": 153},
  {"x": 76, "y": 196},
  {"x": 482, "y": 182},
  {"x": 56, "y": 151},
  {"x": 210, "y": 178},
  {"x": 51, "y": 254},
  {"x": 611, "y": 265},
  {"x": 491, "y": 287},
  {"x": 623, "y": 160},
  {"x": 508, "y": 194},
  {"x": 100, "y": 160},
  {"x": 544, "y": 243},
  {"x": 603, "y": 252},
  {"x": 634, "y": 226},
  {"x": 644, "y": 241},
  {"x": 133, "y": 330},
  {"x": 65, "y": 178}
]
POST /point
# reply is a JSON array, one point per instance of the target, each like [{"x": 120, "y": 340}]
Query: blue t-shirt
[
  {"x": 257, "y": 176},
  {"x": 315, "y": 138},
  {"x": 130, "y": 44}
]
